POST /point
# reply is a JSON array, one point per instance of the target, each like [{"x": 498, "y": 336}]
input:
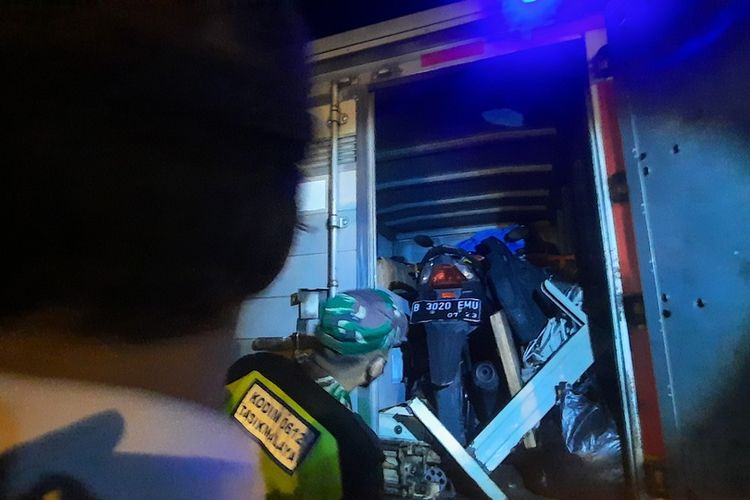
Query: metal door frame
[
  {"x": 633, "y": 452},
  {"x": 363, "y": 91}
]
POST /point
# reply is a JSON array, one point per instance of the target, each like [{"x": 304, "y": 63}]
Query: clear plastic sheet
[
  {"x": 545, "y": 345},
  {"x": 555, "y": 333}
]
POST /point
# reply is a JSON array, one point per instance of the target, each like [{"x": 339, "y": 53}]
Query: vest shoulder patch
[{"x": 282, "y": 432}]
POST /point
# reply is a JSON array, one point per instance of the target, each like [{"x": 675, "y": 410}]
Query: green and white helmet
[{"x": 361, "y": 321}]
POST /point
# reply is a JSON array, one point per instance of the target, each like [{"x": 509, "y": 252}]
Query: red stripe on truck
[
  {"x": 452, "y": 54},
  {"x": 648, "y": 401}
]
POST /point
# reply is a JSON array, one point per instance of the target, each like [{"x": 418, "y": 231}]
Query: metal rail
[
  {"x": 466, "y": 213},
  {"x": 395, "y": 30},
  {"x": 500, "y": 195},
  {"x": 333, "y": 183},
  {"x": 463, "y": 142},
  {"x": 469, "y": 174}
]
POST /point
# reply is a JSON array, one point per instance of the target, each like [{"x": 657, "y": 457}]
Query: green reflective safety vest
[
  {"x": 313, "y": 447},
  {"x": 299, "y": 450}
]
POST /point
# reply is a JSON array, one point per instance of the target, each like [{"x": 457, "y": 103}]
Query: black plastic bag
[{"x": 590, "y": 432}]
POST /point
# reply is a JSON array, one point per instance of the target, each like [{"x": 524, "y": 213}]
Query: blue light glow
[
  {"x": 503, "y": 117},
  {"x": 528, "y": 14},
  {"x": 717, "y": 26}
]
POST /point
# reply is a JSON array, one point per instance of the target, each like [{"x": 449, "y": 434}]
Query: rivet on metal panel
[
  {"x": 646, "y": 171},
  {"x": 642, "y": 156},
  {"x": 664, "y": 297},
  {"x": 675, "y": 149},
  {"x": 666, "y": 313},
  {"x": 699, "y": 303}
]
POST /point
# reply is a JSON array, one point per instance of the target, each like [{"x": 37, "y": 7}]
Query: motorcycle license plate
[{"x": 469, "y": 310}]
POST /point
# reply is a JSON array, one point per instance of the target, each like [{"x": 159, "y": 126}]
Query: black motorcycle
[
  {"x": 451, "y": 354},
  {"x": 460, "y": 376}
]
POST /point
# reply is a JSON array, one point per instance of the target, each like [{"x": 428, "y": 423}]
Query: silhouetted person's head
[{"x": 148, "y": 151}]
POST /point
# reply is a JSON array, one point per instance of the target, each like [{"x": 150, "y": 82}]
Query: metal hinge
[
  {"x": 338, "y": 222},
  {"x": 635, "y": 311},
  {"x": 599, "y": 64},
  {"x": 655, "y": 470},
  {"x": 337, "y": 116},
  {"x": 618, "y": 188}
]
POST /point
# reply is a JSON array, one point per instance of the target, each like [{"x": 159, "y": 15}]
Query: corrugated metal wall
[{"x": 269, "y": 313}]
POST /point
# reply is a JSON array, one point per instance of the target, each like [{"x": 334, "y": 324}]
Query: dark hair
[{"x": 149, "y": 159}]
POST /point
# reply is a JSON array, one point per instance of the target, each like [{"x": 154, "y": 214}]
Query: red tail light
[{"x": 446, "y": 276}]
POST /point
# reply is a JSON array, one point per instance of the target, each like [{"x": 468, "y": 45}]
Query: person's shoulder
[
  {"x": 264, "y": 362},
  {"x": 111, "y": 442}
]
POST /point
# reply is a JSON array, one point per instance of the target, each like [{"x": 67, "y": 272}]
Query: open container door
[{"x": 681, "y": 70}]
